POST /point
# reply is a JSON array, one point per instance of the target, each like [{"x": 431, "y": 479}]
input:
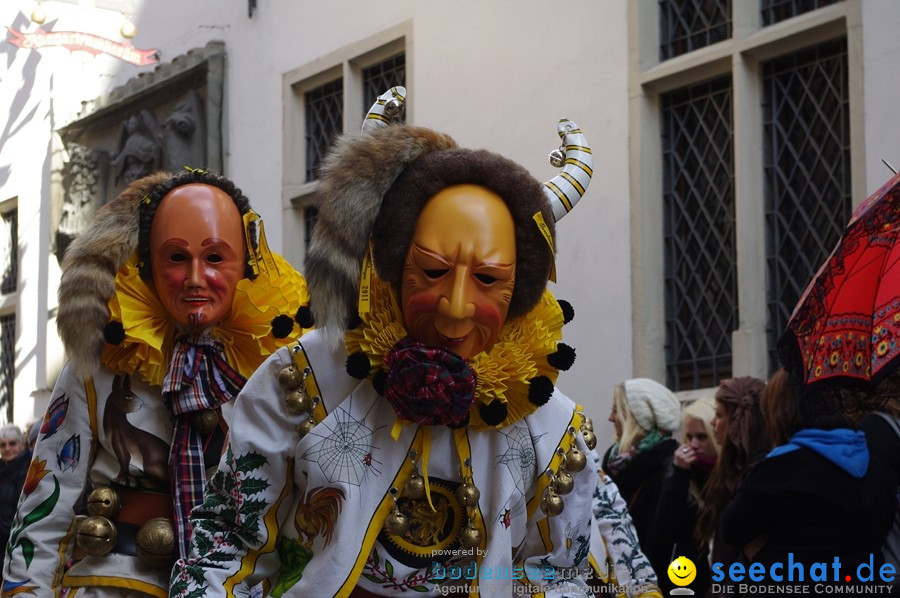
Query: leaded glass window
[
  {"x": 7, "y": 363},
  {"x": 687, "y": 25},
  {"x": 699, "y": 234},
  {"x": 775, "y": 11},
  {"x": 324, "y": 112},
  {"x": 9, "y": 258},
  {"x": 807, "y": 171}
]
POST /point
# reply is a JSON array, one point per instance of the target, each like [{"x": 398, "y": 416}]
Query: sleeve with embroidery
[
  {"x": 42, "y": 534},
  {"x": 631, "y": 570},
  {"x": 554, "y": 556},
  {"x": 235, "y": 537}
]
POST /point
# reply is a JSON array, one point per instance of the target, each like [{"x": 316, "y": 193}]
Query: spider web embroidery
[
  {"x": 519, "y": 457},
  {"x": 344, "y": 451}
]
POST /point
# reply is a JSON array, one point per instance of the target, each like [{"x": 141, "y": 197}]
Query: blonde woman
[
  {"x": 679, "y": 505},
  {"x": 645, "y": 414}
]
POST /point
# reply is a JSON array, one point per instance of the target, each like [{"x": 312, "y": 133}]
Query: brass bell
[
  {"x": 468, "y": 495},
  {"x": 290, "y": 377},
  {"x": 298, "y": 401},
  {"x": 414, "y": 487},
  {"x": 306, "y": 426},
  {"x": 96, "y": 535},
  {"x": 78, "y": 552},
  {"x": 557, "y": 158},
  {"x": 552, "y": 503},
  {"x": 156, "y": 543},
  {"x": 396, "y": 522},
  {"x": 104, "y": 501},
  {"x": 575, "y": 459},
  {"x": 588, "y": 424},
  {"x": 204, "y": 421},
  {"x": 589, "y": 439},
  {"x": 564, "y": 482},
  {"x": 392, "y": 107},
  {"x": 470, "y": 536}
]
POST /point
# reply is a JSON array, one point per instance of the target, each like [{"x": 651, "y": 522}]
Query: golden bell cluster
[
  {"x": 562, "y": 482},
  {"x": 96, "y": 535},
  {"x": 398, "y": 523},
  {"x": 297, "y": 400}
]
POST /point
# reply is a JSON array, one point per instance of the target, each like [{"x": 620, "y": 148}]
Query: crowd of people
[
  {"x": 759, "y": 474},
  {"x": 221, "y": 430}
]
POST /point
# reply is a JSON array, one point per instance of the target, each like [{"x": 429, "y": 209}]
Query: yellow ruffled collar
[
  {"x": 504, "y": 372},
  {"x": 246, "y": 333}
]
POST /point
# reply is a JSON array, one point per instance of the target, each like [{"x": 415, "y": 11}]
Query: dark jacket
[
  {"x": 802, "y": 502},
  {"x": 12, "y": 478},
  {"x": 676, "y": 517},
  {"x": 641, "y": 483}
]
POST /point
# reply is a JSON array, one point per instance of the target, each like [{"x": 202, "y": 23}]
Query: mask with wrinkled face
[{"x": 460, "y": 270}]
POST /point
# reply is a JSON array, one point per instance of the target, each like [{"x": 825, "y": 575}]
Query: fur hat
[
  {"x": 652, "y": 404},
  {"x": 89, "y": 273},
  {"x": 374, "y": 185},
  {"x": 373, "y": 188}
]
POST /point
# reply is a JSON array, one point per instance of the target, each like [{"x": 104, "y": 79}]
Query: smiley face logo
[{"x": 682, "y": 571}]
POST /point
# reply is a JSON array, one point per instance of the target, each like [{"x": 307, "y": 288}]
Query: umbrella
[{"x": 845, "y": 330}]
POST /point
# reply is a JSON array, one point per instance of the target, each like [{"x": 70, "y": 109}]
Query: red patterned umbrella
[{"x": 845, "y": 330}]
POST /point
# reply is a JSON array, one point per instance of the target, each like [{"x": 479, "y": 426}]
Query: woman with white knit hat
[{"x": 645, "y": 414}]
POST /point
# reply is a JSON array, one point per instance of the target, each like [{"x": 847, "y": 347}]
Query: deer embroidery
[{"x": 128, "y": 440}]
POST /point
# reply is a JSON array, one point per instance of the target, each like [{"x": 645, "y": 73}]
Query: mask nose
[
  {"x": 458, "y": 304},
  {"x": 195, "y": 274}
]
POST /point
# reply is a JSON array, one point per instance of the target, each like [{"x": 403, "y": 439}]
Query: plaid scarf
[
  {"x": 428, "y": 385},
  {"x": 198, "y": 378}
]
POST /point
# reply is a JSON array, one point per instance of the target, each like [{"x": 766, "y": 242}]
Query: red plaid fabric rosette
[{"x": 428, "y": 385}]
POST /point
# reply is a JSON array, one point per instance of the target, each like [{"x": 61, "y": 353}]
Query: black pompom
[
  {"x": 304, "y": 317},
  {"x": 354, "y": 322},
  {"x": 462, "y": 424},
  {"x": 539, "y": 390},
  {"x": 567, "y": 309},
  {"x": 379, "y": 380},
  {"x": 493, "y": 413},
  {"x": 114, "y": 333},
  {"x": 563, "y": 358},
  {"x": 358, "y": 365},
  {"x": 282, "y": 326}
]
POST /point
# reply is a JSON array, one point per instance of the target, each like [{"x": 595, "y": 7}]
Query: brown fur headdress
[
  {"x": 375, "y": 185},
  {"x": 89, "y": 273}
]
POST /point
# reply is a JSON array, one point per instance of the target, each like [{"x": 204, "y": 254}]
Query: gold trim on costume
[
  {"x": 87, "y": 581},
  {"x": 377, "y": 521},
  {"x": 248, "y": 563},
  {"x": 559, "y": 456}
]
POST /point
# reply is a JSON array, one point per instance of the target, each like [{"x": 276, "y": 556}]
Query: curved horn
[
  {"x": 386, "y": 107},
  {"x": 574, "y": 155}
]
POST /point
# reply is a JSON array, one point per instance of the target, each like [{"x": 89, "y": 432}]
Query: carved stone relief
[
  {"x": 84, "y": 178},
  {"x": 156, "y": 122}
]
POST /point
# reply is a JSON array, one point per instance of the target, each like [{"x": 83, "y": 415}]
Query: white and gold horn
[
  {"x": 386, "y": 107},
  {"x": 574, "y": 156}
]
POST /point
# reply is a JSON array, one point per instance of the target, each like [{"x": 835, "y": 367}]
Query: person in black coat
[
  {"x": 14, "y": 460},
  {"x": 678, "y": 508},
  {"x": 819, "y": 494},
  {"x": 644, "y": 414}
]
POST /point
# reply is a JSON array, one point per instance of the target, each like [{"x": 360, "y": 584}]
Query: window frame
[
  {"x": 742, "y": 56},
  {"x": 346, "y": 63}
]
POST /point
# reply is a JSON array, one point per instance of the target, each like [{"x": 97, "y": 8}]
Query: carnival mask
[
  {"x": 197, "y": 254},
  {"x": 460, "y": 270}
]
